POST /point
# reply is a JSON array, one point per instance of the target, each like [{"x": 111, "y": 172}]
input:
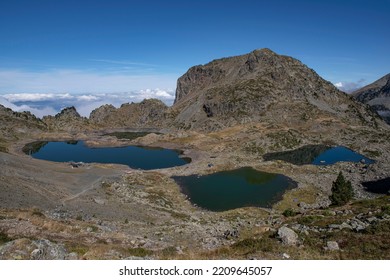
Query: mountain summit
[{"x": 260, "y": 86}]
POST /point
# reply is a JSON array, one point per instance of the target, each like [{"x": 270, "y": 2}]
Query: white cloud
[
  {"x": 42, "y": 104},
  {"x": 47, "y": 92},
  {"x": 349, "y": 86},
  {"x": 87, "y": 97},
  {"x": 8, "y": 104},
  {"x": 37, "y": 112},
  {"x": 85, "y": 109},
  {"x": 16, "y": 97},
  {"x": 157, "y": 93}
]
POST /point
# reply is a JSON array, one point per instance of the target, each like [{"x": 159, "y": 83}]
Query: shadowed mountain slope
[{"x": 377, "y": 95}]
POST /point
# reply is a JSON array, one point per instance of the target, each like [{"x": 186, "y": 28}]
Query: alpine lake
[
  {"x": 136, "y": 157},
  {"x": 220, "y": 191},
  {"x": 318, "y": 155}
]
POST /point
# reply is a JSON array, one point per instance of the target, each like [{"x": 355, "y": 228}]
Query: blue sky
[{"x": 81, "y": 47}]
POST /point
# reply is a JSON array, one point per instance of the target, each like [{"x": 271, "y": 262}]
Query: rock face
[
  {"x": 67, "y": 120},
  {"x": 148, "y": 113},
  {"x": 377, "y": 95},
  {"x": 259, "y": 86}
]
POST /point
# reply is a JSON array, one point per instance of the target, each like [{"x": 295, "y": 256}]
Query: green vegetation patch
[
  {"x": 157, "y": 197},
  {"x": 168, "y": 252},
  {"x": 372, "y": 153},
  {"x": 309, "y": 219},
  {"x": 79, "y": 249},
  {"x": 139, "y": 252},
  {"x": 252, "y": 245},
  {"x": 292, "y": 198},
  {"x": 382, "y": 203},
  {"x": 289, "y": 212},
  {"x": 284, "y": 139},
  {"x": 254, "y": 148}
]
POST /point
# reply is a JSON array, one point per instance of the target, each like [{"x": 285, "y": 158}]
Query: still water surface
[
  {"x": 234, "y": 189},
  {"x": 133, "y": 156}
]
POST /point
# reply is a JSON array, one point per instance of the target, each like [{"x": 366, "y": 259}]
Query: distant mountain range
[
  {"x": 377, "y": 95},
  {"x": 258, "y": 87}
]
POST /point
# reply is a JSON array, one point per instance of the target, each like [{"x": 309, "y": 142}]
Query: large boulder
[{"x": 288, "y": 236}]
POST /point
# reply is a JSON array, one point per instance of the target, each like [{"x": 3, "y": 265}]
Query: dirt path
[{"x": 92, "y": 186}]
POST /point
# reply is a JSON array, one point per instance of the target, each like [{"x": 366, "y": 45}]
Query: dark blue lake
[
  {"x": 381, "y": 186},
  {"x": 318, "y": 155},
  {"x": 234, "y": 189},
  {"x": 133, "y": 156}
]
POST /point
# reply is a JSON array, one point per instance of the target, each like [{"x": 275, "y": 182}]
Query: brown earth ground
[{"x": 108, "y": 211}]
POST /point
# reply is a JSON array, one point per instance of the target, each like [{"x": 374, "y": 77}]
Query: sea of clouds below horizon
[{"x": 43, "y": 104}]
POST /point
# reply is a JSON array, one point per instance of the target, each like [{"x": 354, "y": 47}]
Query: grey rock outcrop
[
  {"x": 287, "y": 236},
  {"x": 48, "y": 251},
  {"x": 332, "y": 246},
  {"x": 35, "y": 250}
]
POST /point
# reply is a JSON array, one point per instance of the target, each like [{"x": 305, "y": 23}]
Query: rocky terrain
[
  {"x": 227, "y": 114},
  {"x": 377, "y": 95},
  {"x": 67, "y": 120},
  {"x": 14, "y": 125},
  {"x": 146, "y": 114}
]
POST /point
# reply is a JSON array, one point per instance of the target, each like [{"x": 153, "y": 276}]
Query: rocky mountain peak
[
  {"x": 67, "y": 120},
  {"x": 258, "y": 86},
  {"x": 68, "y": 112},
  {"x": 149, "y": 113}
]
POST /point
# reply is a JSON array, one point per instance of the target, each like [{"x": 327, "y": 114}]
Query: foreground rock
[
  {"x": 332, "y": 246},
  {"x": 287, "y": 236}
]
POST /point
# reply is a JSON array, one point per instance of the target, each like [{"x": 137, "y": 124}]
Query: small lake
[
  {"x": 381, "y": 186},
  {"x": 318, "y": 155},
  {"x": 232, "y": 189},
  {"x": 135, "y": 157}
]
